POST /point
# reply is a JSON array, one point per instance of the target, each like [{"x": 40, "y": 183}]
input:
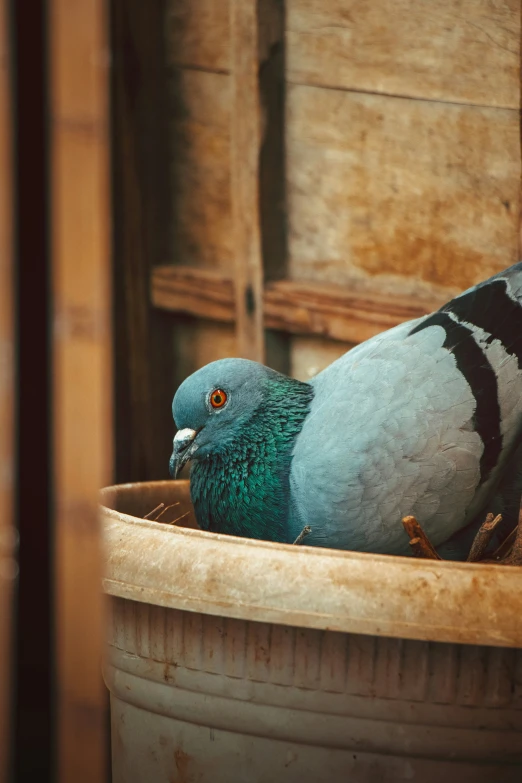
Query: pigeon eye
[{"x": 218, "y": 398}]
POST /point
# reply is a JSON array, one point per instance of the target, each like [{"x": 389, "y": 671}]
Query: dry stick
[
  {"x": 515, "y": 556},
  {"x": 483, "y": 537},
  {"x": 419, "y": 541},
  {"x": 504, "y": 548},
  {"x": 503, "y": 551},
  {"x": 419, "y": 549},
  {"x": 302, "y": 535},
  {"x": 166, "y": 509},
  {"x": 158, "y": 507},
  {"x": 175, "y": 521}
]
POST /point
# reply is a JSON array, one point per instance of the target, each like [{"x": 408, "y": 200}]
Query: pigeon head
[
  {"x": 237, "y": 422},
  {"x": 213, "y": 405}
]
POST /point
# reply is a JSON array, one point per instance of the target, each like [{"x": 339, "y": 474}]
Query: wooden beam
[
  {"x": 245, "y": 148},
  {"x": 7, "y": 408},
  {"x": 200, "y": 292},
  {"x": 288, "y": 305},
  {"x": 142, "y": 213},
  {"x": 82, "y": 377},
  {"x": 443, "y": 55}
]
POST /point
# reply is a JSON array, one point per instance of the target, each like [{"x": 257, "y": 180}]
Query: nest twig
[
  {"x": 154, "y": 516},
  {"x": 302, "y": 535},
  {"x": 164, "y": 510},
  {"x": 512, "y": 553},
  {"x": 508, "y": 553},
  {"x": 420, "y": 544},
  {"x": 151, "y": 514},
  {"x": 483, "y": 537},
  {"x": 507, "y": 545}
]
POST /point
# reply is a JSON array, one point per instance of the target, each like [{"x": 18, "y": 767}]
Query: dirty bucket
[{"x": 231, "y": 660}]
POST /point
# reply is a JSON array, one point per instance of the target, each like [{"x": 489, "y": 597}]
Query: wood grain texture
[
  {"x": 337, "y": 313},
  {"x": 393, "y": 190},
  {"x": 202, "y": 293},
  {"x": 82, "y": 381},
  {"x": 245, "y": 147},
  {"x": 289, "y": 306},
  {"x": 465, "y": 52},
  {"x": 7, "y": 407},
  {"x": 375, "y": 185},
  {"x": 200, "y": 109},
  {"x": 199, "y": 164},
  {"x": 198, "y": 34}
]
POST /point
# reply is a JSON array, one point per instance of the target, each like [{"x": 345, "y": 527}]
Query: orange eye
[{"x": 218, "y": 398}]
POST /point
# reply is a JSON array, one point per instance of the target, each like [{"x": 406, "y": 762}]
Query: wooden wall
[
  {"x": 385, "y": 152},
  {"x": 402, "y": 171},
  {"x": 405, "y": 131}
]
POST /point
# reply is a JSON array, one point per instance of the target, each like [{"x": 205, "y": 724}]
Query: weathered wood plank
[
  {"x": 272, "y": 163},
  {"x": 198, "y": 34},
  {"x": 199, "y": 160},
  {"x": 245, "y": 146},
  {"x": 330, "y": 311},
  {"x": 465, "y": 52},
  {"x": 202, "y": 293},
  {"x": 7, "y": 406},
  {"x": 374, "y": 185},
  {"x": 289, "y": 306},
  {"x": 82, "y": 377},
  {"x": 388, "y": 196},
  {"x": 394, "y": 189}
]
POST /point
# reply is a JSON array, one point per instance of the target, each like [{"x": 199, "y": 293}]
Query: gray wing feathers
[
  {"x": 397, "y": 412},
  {"x": 424, "y": 418}
]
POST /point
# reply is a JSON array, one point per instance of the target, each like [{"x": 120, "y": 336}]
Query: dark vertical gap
[
  {"x": 13, "y": 635},
  {"x": 272, "y": 165},
  {"x": 183, "y": 327},
  {"x": 141, "y": 212},
  {"x": 33, "y": 732}
]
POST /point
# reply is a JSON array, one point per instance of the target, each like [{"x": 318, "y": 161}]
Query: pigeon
[{"x": 424, "y": 419}]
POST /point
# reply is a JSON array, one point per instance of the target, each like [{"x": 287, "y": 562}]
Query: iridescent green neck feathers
[{"x": 242, "y": 487}]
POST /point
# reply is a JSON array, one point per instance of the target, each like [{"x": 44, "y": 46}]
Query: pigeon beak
[{"x": 183, "y": 449}]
